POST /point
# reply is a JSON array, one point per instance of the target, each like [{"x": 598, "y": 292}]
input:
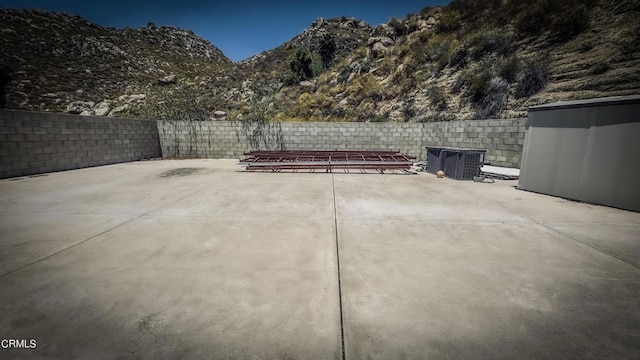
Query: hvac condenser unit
[
  {"x": 434, "y": 159},
  {"x": 458, "y": 164}
]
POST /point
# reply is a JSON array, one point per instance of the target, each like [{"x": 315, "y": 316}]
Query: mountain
[
  {"x": 478, "y": 59},
  {"x": 471, "y": 59},
  {"x": 49, "y": 61}
]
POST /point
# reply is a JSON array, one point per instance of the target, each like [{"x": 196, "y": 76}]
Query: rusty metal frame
[{"x": 313, "y": 160}]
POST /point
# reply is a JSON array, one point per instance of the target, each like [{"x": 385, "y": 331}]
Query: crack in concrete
[
  {"x": 335, "y": 223},
  {"x": 613, "y": 255},
  {"x": 2, "y": 276}
]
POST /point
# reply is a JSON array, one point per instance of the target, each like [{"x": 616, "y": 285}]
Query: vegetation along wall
[
  {"x": 503, "y": 139},
  {"x": 37, "y": 142}
]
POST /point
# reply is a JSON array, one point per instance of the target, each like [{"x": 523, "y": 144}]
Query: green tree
[
  {"x": 301, "y": 64},
  {"x": 398, "y": 26},
  {"x": 327, "y": 50}
]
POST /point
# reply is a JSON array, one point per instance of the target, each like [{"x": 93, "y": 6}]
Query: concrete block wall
[
  {"x": 36, "y": 142},
  {"x": 226, "y": 139},
  {"x": 404, "y": 137},
  {"x": 503, "y": 139},
  {"x": 204, "y": 139}
]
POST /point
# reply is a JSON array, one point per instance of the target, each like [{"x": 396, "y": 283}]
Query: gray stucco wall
[
  {"x": 35, "y": 142},
  {"x": 503, "y": 138}
]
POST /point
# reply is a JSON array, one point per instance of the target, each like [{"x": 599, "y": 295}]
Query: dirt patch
[{"x": 179, "y": 172}]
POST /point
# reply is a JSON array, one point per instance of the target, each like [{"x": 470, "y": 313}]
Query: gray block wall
[
  {"x": 35, "y": 142},
  {"x": 503, "y": 139}
]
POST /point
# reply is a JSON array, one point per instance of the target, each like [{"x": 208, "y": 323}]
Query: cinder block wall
[
  {"x": 36, "y": 142},
  {"x": 503, "y": 139}
]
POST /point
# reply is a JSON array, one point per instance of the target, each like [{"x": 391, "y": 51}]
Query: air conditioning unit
[
  {"x": 434, "y": 159},
  {"x": 458, "y": 164}
]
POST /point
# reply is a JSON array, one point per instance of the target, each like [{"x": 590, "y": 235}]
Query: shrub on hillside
[
  {"x": 600, "y": 68},
  {"x": 304, "y": 65},
  {"x": 564, "y": 19},
  {"x": 290, "y": 79},
  {"x": 629, "y": 41},
  {"x": 365, "y": 87},
  {"x": 494, "y": 100},
  {"x": 449, "y": 22},
  {"x": 458, "y": 84},
  {"x": 300, "y": 64},
  {"x": 384, "y": 117},
  {"x": 398, "y": 26},
  {"x": 437, "y": 97},
  {"x": 365, "y": 111},
  {"x": 487, "y": 42},
  {"x": 177, "y": 104},
  {"x": 586, "y": 46},
  {"x": 327, "y": 50},
  {"x": 458, "y": 57},
  {"x": 478, "y": 79},
  {"x": 509, "y": 67},
  {"x": 569, "y": 22},
  {"x": 532, "y": 19},
  {"x": 438, "y": 51},
  {"x": 435, "y": 116},
  {"x": 532, "y": 79},
  {"x": 366, "y": 65},
  {"x": 312, "y": 106},
  {"x": 474, "y": 9},
  {"x": 343, "y": 74},
  {"x": 409, "y": 109}
]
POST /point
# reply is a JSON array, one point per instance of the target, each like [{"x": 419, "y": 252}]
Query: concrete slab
[
  {"x": 437, "y": 268},
  {"x": 30, "y": 237},
  {"x": 196, "y": 259},
  {"x": 204, "y": 278}
]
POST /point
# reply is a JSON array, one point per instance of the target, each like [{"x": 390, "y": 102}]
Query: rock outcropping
[
  {"x": 58, "y": 62},
  {"x": 468, "y": 60}
]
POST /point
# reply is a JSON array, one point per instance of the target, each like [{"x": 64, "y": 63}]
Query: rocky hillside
[
  {"x": 248, "y": 87},
  {"x": 58, "y": 62},
  {"x": 478, "y": 59},
  {"x": 471, "y": 59}
]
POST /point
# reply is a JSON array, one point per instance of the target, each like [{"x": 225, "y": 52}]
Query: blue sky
[{"x": 239, "y": 28}]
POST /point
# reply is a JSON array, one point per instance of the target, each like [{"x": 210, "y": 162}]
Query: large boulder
[
  {"x": 168, "y": 80},
  {"x": 317, "y": 23},
  {"x": 101, "y": 109},
  {"x": 379, "y": 45},
  {"x": 431, "y": 22},
  {"x": 219, "y": 114},
  {"x": 308, "y": 86},
  {"x": 119, "y": 109},
  {"x": 135, "y": 98},
  {"x": 384, "y": 40},
  {"x": 78, "y": 107},
  {"x": 384, "y": 30}
]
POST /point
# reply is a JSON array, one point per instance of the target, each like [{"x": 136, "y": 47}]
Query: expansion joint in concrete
[
  {"x": 335, "y": 224},
  {"x": 68, "y": 247},
  {"x": 637, "y": 266}
]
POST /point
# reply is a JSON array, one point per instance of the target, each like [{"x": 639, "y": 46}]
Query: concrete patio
[{"x": 198, "y": 259}]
